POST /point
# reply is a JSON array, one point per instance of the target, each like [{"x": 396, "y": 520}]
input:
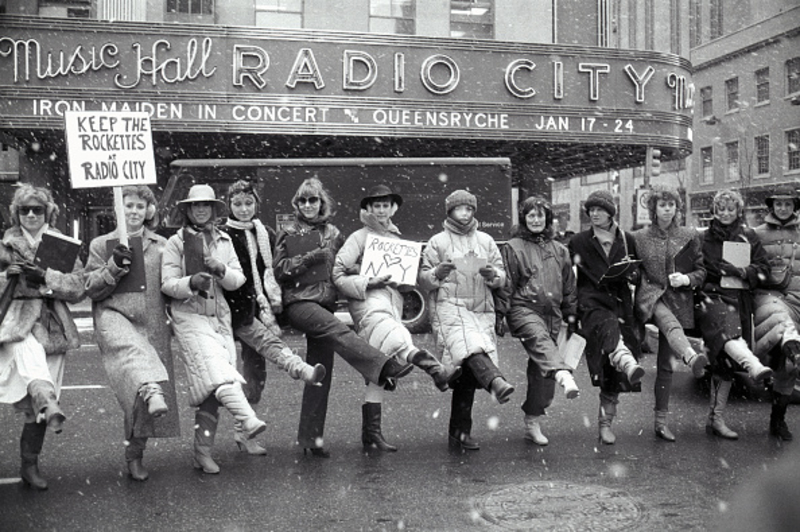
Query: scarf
[
  {"x": 606, "y": 237},
  {"x": 34, "y": 240},
  {"x": 371, "y": 222},
  {"x": 459, "y": 228},
  {"x": 522, "y": 231}
]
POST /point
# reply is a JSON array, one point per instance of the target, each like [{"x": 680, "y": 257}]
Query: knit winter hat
[
  {"x": 460, "y": 197},
  {"x": 602, "y": 199}
]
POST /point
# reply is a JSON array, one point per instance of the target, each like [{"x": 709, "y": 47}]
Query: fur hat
[
  {"x": 460, "y": 197},
  {"x": 602, "y": 199},
  {"x": 381, "y": 191}
]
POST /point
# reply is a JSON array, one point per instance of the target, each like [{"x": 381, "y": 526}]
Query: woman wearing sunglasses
[
  {"x": 309, "y": 302},
  {"x": 37, "y": 329}
]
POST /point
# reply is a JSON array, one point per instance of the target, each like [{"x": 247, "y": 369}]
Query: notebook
[
  {"x": 57, "y": 251},
  {"x": 134, "y": 281},
  {"x": 300, "y": 244}
]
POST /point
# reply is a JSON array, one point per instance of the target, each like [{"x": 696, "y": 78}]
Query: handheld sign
[{"x": 390, "y": 256}]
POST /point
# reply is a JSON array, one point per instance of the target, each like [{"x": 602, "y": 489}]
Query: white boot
[
  {"x": 737, "y": 349},
  {"x": 232, "y": 397},
  {"x": 696, "y": 361},
  {"x": 245, "y": 444},
  {"x": 564, "y": 378},
  {"x": 533, "y": 432},
  {"x": 623, "y": 360}
]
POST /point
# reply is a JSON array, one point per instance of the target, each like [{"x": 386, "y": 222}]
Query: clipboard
[
  {"x": 570, "y": 350},
  {"x": 738, "y": 254},
  {"x": 684, "y": 260},
  {"x": 300, "y": 244},
  {"x": 134, "y": 280},
  {"x": 469, "y": 264}
]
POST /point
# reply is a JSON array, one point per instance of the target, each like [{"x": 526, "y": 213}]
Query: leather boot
[
  {"x": 153, "y": 396},
  {"x": 777, "y": 418},
  {"x": 718, "y": 400},
  {"x": 567, "y": 381},
  {"x": 623, "y": 361},
  {"x": 661, "y": 428},
  {"x": 313, "y": 375},
  {"x": 232, "y": 397},
  {"x": 461, "y": 420},
  {"x": 489, "y": 377},
  {"x": 134, "y": 452},
  {"x": 45, "y": 403},
  {"x": 393, "y": 370},
  {"x": 696, "y": 361},
  {"x": 30, "y": 446},
  {"x": 741, "y": 354},
  {"x": 442, "y": 375},
  {"x": 371, "y": 435},
  {"x": 608, "y": 409},
  {"x": 205, "y": 428},
  {"x": 246, "y": 444},
  {"x": 533, "y": 431}
]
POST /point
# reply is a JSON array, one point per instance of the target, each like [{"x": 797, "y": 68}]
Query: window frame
[
  {"x": 732, "y": 164},
  {"x": 707, "y": 165},
  {"x": 709, "y": 91},
  {"x": 732, "y": 103},
  {"x": 761, "y": 151},
  {"x": 762, "y": 83},
  {"x": 792, "y": 152},
  {"x": 410, "y": 21},
  {"x": 792, "y": 68},
  {"x": 461, "y": 19}
]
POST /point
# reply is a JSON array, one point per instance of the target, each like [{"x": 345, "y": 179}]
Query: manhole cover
[{"x": 561, "y": 506}]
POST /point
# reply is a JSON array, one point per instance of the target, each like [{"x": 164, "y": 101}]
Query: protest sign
[{"x": 390, "y": 256}]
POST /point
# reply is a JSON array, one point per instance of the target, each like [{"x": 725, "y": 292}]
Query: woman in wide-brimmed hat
[{"x": 199, "y": 263}]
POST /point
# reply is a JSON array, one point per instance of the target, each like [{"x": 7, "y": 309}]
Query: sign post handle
[{"x": 119, "y": 209}]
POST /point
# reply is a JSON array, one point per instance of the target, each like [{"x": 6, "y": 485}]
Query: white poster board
[
  {"x": 108, "y": 149},
  {"x": 390, "y": 256}
]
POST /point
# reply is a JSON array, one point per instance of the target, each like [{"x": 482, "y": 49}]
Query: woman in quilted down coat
[
  {"x": 777, "y": 315},
  {"x": 132, "y": 331},
  {"x": 201, "y": 320},
  {"x": 672, "y": 268},
  {"x": 38, "y": 328}
]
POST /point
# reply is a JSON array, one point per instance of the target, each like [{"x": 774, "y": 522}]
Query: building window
[
  {"x": 707, "y": 160},
  {"x": 279, "y": 14},
  {"x": 191, "y": 7},
  {"x": 732, "y": 93},
  {"x": 707, "y": 100},
  {"x": 715, "y": 24},
  {"x": 696, "y": 23},
  {"x": 732, "y": 161},
  {"x": 762, "y": 85},
  {"x": 793, "y": 149},
  {"x": 793, "y": 75},
  {"x": 392, "y": 16},
  {"x": 472, "y": 19},
  {"x": 762, "y": 154}
]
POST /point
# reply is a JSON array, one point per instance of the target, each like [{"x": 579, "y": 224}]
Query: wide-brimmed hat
[
  {"x": 381, "y": 191},
  {"x": 784, "y": 192},
  {"x": 200, "y": 193}
]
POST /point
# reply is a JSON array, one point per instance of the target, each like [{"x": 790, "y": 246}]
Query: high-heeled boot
[
  {"x": 718, "y": 400},
  {"x": 391, "y": 371},
  {"x": 30, "y": 446},
  {"x": 696, "y": 361},
  {"x": 232, "y": 397},
  {"x": 371, "y": 435},
  {"x": 737, "y": 349},
  {"x": 205, "y": 429},
  {"x": 660, "y": 426},
  {"x": 442, "y": 375},
  {"x": 623, "y": 361},
  {"x": 246, "y": 444},
  {"x": 45, "y": 404},
  {"x": 777, "y": 418}
]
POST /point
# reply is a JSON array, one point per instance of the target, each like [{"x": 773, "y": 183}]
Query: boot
[
  {"x": 371, "y": 435},
  {"x": 460, "y": 425},
  {"x": 313, "y": 375},
  {"x": 153, "y": 396},
  {"x": 567, "y": 381},
  {"x": 696, "y": 361},
  {"x": 777, "y": 418},
  {"x": 501, "y": 390},
  {"x": 392, "y": 370},
  {"x": 30, "y": 446},
  {"x": 623, "y": 361},
  {"x": 246, "y": 444},
  {"x": 205, "y": 428},
  {"x": 45, "y": 404},
  {"x": 533, "y": 432},
  {"x": 442, "y": 375},
  {"x": 489, "y": 377},
  {"x": 134, "y": 452},
  {"x": 661, "y": 428},
  {"x": 718, "y": 399},
  {"x": 232, "y": 397},
  {"x": 608, "y": 409},
  {"x": 741, "y": 354}
]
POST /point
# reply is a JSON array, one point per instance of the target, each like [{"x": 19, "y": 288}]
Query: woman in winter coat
[
  {"x": 672, "y": 268},
  {"x": 201, "y": 320},
  {"x": 376, "y": 306},
  {"x": 131, "y": 328},
  {"x": 37, "y": 329},
  {"x": 540, "y": 296},
  {"x": 725, "y": 314},
  {"x": 605, "y": 306},
  {"x": 309, "y": 302},
  {"x": 254, "y": 304},
  {"x": 777, "y": 316}
]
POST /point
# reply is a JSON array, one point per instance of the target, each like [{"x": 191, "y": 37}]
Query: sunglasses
[
  {"x": 313, "y": 200},
  {"x": 37, "y": 210}
]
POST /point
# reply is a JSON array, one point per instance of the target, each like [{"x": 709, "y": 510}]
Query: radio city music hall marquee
[{"x": 266, "y": 81}]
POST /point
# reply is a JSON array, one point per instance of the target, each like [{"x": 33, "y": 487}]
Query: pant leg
[
  {"x": 254, "y": 371},
  {"x": 664, "y": 370},
  {"x": 535, "y": 335},
  {"x": 314, "y": 407},
  {"x": 671, "y": 328},
  {"x": 540, "y": 393}
]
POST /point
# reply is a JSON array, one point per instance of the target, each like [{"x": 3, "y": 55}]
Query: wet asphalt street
[{"x": 640, "y": 483}]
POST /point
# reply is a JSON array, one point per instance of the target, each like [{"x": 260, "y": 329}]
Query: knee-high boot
[
  {"x": 489, "y": 377},
  {"x": 608, "y": 409},
  {"x": 777, "y": 418},
  {"x": 232, "y": 397},
  {"x": 30, "y": 446},
  {"x": 205, "y": 429},
  {"x": 371, "y": 435},
  {"x": 442, "y": 375},
  {"x": 738, "y": 351},
  {"x": 134, "y": 452},
  {"x": 718, "y": 400},
  {"x": 460, "y": 427},
  {"x": 662, "y": 392},
  {"x": 623, "y": 361},
  {"x": 43, "y": 397}
]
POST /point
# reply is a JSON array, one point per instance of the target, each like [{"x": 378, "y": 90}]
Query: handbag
[{"x": 49, "y": 331}]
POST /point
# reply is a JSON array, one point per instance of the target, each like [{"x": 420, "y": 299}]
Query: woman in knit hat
[
  {"x": 539, "y": 297},
  {"x": 462, "y": 309},
  {"x": 605, "y": 306},
  {"x": 672, "y": 269}
]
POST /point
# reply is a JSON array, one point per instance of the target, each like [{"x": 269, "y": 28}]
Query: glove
[
  {"x": 33, "y": 274},
  {"x": 200, "y": 282},
  {"x": 215, "y": 267},
  {"x": 443, "y": 269},
  {"x": 487, "y": 272},
  {"x": 14, "y": 269},
  {"x": 378, "y": 282},
  {"x": 572, "y": 325},
  {"x": 726, "y": 268},
  {"x": 122, "y": 255},
  {"x": 499, "y": 324},
  {"x": 316, "y": 256},
  {"x": 677, "y": 279}
]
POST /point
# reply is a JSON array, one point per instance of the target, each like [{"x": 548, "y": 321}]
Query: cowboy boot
[
  {"x": 777, "y": 418},
  {"x": 134, "y": 452},
  {"x": 442, "y": 375},
  {"x": 391, "y": 371},
  {"x": 232, "y": 397},
  {"x": 153, "y": 396},
  {"x": 660, "y": 426},
  {"x": 205, "y": 429},
  {"x": 718, "y": 400},
  {"x": 30, "y": 446},
  {"x": 371, "y": 435},
  {"x": 741, "y": 354},
  {"x": 533, "y": 431}
]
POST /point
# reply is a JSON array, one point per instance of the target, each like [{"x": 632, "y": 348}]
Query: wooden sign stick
[{"x": 119, "y": 210}]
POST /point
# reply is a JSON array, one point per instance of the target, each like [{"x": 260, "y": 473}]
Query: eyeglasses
[
  {"x": 37, "y": 210},
  {"x": 313, "y": 200}
]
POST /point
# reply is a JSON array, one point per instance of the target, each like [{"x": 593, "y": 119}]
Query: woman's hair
[
  {"x": 145, "y": 193},
  {"x": 539, "y": 203},
  {"x": 313, "y": 187},
  {"x": 727, "y": 196},
  {"x": 661, "y": 192},
  {"x": 242, "y": 187},
  {"x": 27, "y": 192}
]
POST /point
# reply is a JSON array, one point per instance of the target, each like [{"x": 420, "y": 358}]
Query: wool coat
[
  {"x": 461, "y": 306},
  {"x": 202, "y": 325},
  {"x": 133, "y": 334}
]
